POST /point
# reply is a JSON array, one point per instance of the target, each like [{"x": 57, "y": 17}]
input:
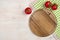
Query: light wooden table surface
[{"x": 14, "y": 23}]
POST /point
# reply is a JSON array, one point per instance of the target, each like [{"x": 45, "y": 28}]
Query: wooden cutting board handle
[{"x": 43, "y": 22}]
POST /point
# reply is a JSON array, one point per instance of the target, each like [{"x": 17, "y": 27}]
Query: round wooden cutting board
[{"x": 42, "y": 22}]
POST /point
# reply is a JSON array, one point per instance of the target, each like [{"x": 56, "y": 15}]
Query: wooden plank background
[{"x": 14, "y": 23}]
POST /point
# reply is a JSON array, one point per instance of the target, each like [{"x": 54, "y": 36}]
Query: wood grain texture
[{"x": 42, "y": 22}]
